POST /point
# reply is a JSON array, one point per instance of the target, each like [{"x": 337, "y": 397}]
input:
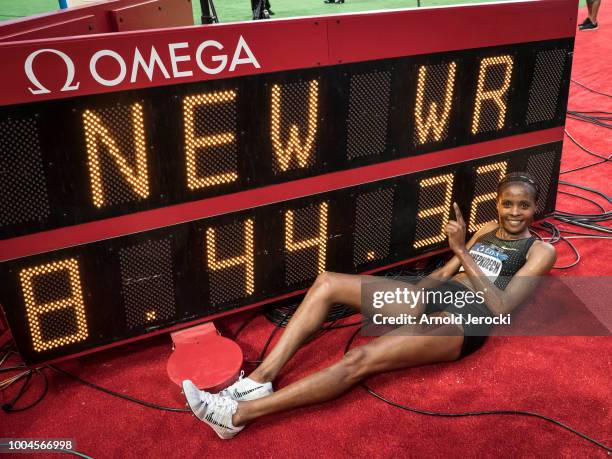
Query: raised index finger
[{"x": 458, "y": 215}]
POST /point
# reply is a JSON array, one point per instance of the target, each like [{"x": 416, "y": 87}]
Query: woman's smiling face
[{"x": 516, "y": 208}]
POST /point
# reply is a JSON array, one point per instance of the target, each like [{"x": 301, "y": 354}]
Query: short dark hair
[{"x": 519, "y": 177}]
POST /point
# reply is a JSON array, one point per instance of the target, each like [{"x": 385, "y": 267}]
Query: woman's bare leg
[
  {"x": 389, "y": 352},
  {"x": 327, "y": 290},
  {"x": 593, "y": 8}
]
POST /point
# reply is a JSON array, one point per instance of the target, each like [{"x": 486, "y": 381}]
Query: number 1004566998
[{"x": 32, "y": 445}]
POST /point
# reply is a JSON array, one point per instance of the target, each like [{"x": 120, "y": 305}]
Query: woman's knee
[
  {"x": 324, "y": 284},
  {"x": 374, "y": 358},
  {"x": 356, "y": 363},
  {"x": 445, "y": 348},
  {"x": 453, "y": 347}
]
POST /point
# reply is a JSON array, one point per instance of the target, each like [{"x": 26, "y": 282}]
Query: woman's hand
[{"x": 455, "y": 230}]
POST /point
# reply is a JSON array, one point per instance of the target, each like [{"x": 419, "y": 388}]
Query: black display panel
[
  {"x": 88, "y": 158},
  {"x": 75, "y": 299}
]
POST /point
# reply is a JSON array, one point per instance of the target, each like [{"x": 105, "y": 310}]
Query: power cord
[
  {"x": 588, "y": 221},
  {"x": 590, "y": 89},
  {"x": 23, "y": 373},
  {"x": 58, "y": 450},
  {"x": 582, "y": 147},
  {"x": 10, "y": 406},
  {"x": 592, "y": 117},
  {"x": 584, "y": 198},
  {"x": 556, "y": 237},
  {"x": 586, "y": 188},
  {"x": 117, "y": 394},
  {"x": 27, "y": 374}
]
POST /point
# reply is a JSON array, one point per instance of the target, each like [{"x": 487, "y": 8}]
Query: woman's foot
[
  {"x": 588, "y": 26},
  {"x": 214, "y": 410},
  {"x": 247, "y": 389}
]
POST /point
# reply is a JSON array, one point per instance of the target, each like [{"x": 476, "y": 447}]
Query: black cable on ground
[
  {"x": 586, "y": 188},
  {"x": 73, "y": 452},
  {"x": 9, "y": 407},
  {"x": 588, "y": 117},
  {"x": 13, "y": 368},
  {"x": 583, "y": 148},
  {"x": 590, "y": 89},
  {"x": 586, "y": 166},
  {"x": 56, "y": 450},
  {"x": 116, "y": 394},
  {"x": 583, "y": 223},
  {"x": 7, "y": 352},
  {"x": 243, "y": 325},
  {"x": 584, "y": 198},
  {"x": 262, "y": 354},
  {"x": 370, "y": 391},
  {"x": 556, "y": 237},
  {"x": 281, "y": 315},
  {"x": 571, "y": 232},
  {"x": 589, "y": 221}
]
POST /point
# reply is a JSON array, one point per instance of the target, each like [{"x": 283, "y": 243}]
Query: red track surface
[{"x": 567, "y": 378}]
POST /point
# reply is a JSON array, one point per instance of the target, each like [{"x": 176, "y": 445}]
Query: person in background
[
  {"x": 259, "y": 7},
  {"x": 590, "y": 23}
]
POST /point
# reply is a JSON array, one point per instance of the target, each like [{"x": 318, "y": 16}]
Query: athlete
[{"x": 501, "y": 262}]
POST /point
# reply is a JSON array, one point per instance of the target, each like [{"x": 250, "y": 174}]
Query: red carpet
[{"x": 567, "y": 378}]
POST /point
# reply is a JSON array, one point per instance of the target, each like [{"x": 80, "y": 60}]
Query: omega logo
[
  {"x": 141, "y": 67},
  {"x": 68, "y": 86}
]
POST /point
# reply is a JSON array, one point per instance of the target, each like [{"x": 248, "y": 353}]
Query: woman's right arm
[{"x": 451, "y": 267}]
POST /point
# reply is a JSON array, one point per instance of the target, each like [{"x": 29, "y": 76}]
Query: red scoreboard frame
[{"x": 271, "y": 150}]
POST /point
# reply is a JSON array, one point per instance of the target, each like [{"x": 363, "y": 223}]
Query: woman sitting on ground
[{"x": 510, "y": 258}]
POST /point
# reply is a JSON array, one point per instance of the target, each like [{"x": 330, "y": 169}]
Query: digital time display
[{"x": 251, "y": 186}]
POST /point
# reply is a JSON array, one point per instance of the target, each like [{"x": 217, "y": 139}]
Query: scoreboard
[{"x": 161, "y": 184}]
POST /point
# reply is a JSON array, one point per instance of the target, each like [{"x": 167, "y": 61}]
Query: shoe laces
[
  {"x": 219, "y": 403},
  {"x": 226, "y": 392}
]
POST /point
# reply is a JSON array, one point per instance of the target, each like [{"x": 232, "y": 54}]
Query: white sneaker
[
  {"x": 246, "y": 389},
  {"x": 213, "y": 409}
]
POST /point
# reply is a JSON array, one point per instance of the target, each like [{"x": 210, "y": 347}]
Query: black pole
[
  {"x": 208, "y": 17},
  {"x": 213, "y": 10}
]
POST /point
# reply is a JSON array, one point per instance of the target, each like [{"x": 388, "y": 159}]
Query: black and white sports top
[{"x": 500, "y": 259}]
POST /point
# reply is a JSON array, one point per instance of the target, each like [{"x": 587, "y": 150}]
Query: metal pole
[{"x": 206, "y": 18}]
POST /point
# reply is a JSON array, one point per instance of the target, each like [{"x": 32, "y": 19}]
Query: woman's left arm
[{"x": 540, "y": 259}]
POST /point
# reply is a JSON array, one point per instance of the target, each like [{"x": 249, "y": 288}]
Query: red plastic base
[{"x": 211, "y": 361}]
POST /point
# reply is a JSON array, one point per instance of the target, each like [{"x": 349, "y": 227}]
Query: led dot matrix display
[
  {"x": 221, "y": 146},
  {"x": 297, "y": 145},
  {"x": 43, "y": 302},
  {"x": 99, "y": 140}
]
